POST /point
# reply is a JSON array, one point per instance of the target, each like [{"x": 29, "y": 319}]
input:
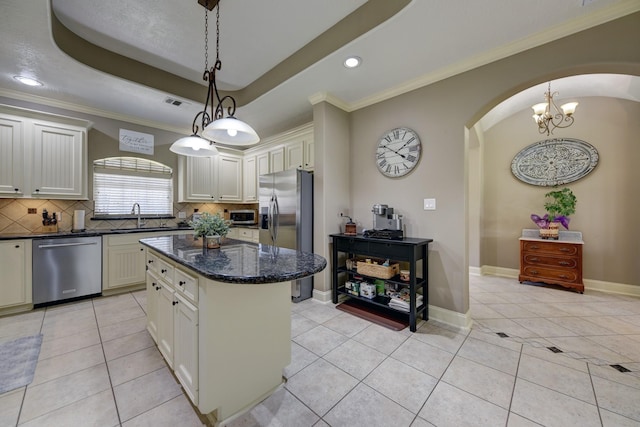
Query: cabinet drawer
[
  {"x": 550, "y": 261},
  {"x": 550, "y": 273},
  {"x": 152, "y": 263},
  {"x": 566, "y": 249},
  {"x": 164, "y": 270},
  {"x": 186, "y": 285}
]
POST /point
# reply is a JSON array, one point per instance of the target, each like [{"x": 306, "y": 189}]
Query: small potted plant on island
[
  {"x": 562, "y": 204},
  {"x": 212, "y": 228}
]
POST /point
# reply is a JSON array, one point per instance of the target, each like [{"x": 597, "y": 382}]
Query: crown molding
[{"x": 324, "y": 96}]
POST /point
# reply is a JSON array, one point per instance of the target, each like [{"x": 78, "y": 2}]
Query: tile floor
[{"x": 99, "y": 367}]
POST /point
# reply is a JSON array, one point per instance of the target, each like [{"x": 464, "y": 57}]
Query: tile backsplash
[{"x": 15, "y": 219}]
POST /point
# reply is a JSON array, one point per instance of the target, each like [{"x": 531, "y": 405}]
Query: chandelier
[
  {"x": 548, "y": 116},
  {"x": 215, "y": 126}
]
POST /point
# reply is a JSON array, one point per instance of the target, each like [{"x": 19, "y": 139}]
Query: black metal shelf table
[{"x": 410, "y": 250}]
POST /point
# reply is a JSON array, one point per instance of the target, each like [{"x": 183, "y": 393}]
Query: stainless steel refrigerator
[{"x": 286, "y": 217}]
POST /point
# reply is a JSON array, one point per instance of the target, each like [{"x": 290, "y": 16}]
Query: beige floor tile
[
  {"x": 55, "y": 394},
  {"x": 67, "y": 363},
  {"x": 135, "y": 365},
  {"x": 320, "y": 340},
  {"x": 126, "y": 345},
  {"x": 127, "y": 327},
  {"x": 610, "y": 419},
  {"x": 556, "y": 377},
  {"x": 558, "y": 358},
  {"x": 279, "y": 409},
  {"x": 450, "y": 406},
  {"x": 21, "y": 325},
  {"x": 516, "y": 420},
  {"x": 492, "y": 338},
  {"x": 175, "y": 412},
  {"x": 482, "y": 311},
  {"x": 580, "y": 325},
  {"x": 618, "y": 398},
  {"x": 319, "y": 312},
  {"x": 300, "y": 325},
  {"x": 355, "y": 359},
  {"x": 545, "y": 328},
  {"x": 624, "y": 345},
  {"x": 440, "y": 337},
  {"x": 55, "y": 347},
  {"x": 401, "y": 383},
  {"x": 487, "y": 383},
  {"x": 320, "y": 386},
  {"x": 365, "y": 407},
  {"x": 69, "y": 323},
  {"x": 346, "y": 324},
  {"x": 300, "y": 359},
  {"x": 419, "y": 422},
  {"x": 119, "y": 315},
  {"x": 423, "y": 357},
  {"x": 97, "y": 410},
  {"x": 551, "y": 408},
  {"x": 512, "y": 311},
  {"x": 588, "y": 349},
  {"x": 145, "y": 393},
  {"x": 382, "y": 339},
  {"x": 10, "y": 403},
  {"x": 508, "y": 327},
  {"x": 490, "y": 355}
]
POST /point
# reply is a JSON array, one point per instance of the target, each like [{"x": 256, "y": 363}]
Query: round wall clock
[{"x": 398, "y": 152}]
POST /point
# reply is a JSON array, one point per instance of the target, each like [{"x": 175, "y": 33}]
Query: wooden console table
[{"x": 555, "y": 262}]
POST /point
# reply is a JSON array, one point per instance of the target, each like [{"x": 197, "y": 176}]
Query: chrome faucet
[{"x": 133, "y": 212}]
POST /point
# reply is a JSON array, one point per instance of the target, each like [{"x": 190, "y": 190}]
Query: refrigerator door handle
[{"x": 276, "y": 218}]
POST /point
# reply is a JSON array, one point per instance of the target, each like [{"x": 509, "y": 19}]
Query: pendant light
[
  {"x": 215, "y": 126},
  {"x": 548, "y": 116}
]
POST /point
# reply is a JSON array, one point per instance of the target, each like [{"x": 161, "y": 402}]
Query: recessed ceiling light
[
  {"x": 352, "y": 62},
  {"x": 27, "y": 81}
]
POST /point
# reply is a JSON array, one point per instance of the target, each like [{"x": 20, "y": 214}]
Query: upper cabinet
[
  {"x": 43, "y": 158},
  {"x": 210, "y": 179}
]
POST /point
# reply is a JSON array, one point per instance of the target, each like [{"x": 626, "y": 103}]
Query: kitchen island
[{"x": 222, "y": 317}]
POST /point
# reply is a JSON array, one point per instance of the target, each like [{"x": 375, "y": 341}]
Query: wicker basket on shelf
[{"x": 378, "y": 270}]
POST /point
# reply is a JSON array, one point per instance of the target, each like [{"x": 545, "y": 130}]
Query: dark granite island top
[{"x": 238, "y": 261}]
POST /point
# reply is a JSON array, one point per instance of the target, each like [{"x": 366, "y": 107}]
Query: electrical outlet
[
  {"x": 32, "y": 210},
  {"x": 182, "y": 215},
  {"x": 429, "y": 204}
]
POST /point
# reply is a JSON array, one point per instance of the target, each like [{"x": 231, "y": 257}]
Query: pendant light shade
[
  {"x": 231, "y": 131},
  {"x": 194, "y": 146}
]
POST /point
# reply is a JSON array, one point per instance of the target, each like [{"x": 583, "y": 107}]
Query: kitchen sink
[{"x": 142, "y": 229}]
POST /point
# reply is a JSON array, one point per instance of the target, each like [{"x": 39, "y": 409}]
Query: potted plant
[
  {"x": 212, "y": 227},
  {"x": 562, "y": 204}
]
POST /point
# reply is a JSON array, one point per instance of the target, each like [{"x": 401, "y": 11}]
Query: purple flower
[{"x": 543, "y": 222}]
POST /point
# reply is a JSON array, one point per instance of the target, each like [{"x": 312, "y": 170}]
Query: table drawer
[
  {"x": 565, "y": 249},
  {"x": 550, "y": 261},
  {"x": 550, "y": 273}
]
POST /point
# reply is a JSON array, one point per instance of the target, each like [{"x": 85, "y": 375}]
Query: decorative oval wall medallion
[{"x": 555, "y": 161}]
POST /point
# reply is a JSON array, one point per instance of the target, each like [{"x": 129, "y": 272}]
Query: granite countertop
[
  {"x": 86, "y": 233},
  {"x": 563, "y": 236},
  {"x": 237, "y": 261}
]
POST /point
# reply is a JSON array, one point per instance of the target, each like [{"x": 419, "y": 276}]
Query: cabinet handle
[
  {"x": 163, "y": 271},
  {"x": 181, "y": 283},
  {"x": 564, "y": 249},
  {"x": 16, "y": 189},
  {"x": 534, "y": 246},
  {"x": 564, "y": 263},
  {"x": 174, "y": 302},
  {"x": 157, "y": 288},
  {"x": 534, "y": 271},
  {"x": 141, "y": 249},
  {"x": 534, "y": 259},
  {"x": 563, "y": 276},
  {"x": 150, "y": 261}
]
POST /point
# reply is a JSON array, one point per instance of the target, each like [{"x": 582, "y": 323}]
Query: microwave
[{"x": 243, "y": 216}]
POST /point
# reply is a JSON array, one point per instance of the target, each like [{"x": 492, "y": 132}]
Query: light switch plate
[{"x": 429, "y": 204}]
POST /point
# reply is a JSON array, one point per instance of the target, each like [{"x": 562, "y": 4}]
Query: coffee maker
[{"x": 386, "y": 224}]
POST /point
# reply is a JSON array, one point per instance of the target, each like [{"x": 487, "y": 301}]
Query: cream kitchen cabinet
[
  {"x": 172, "y": 319},
  {"x": 210, "y": 179},
  {"x": 276, "y": 159},
  {"x": 299, "y": 154},
  {"x": 250, "y": 179},
  {"x": 15, "y": 280},
  {"x": 43, "y": 158}
]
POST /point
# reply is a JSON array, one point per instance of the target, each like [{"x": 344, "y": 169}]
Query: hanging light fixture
[
  {"x": 215, "y": 126},
  {"x": 547, "y": 120}
]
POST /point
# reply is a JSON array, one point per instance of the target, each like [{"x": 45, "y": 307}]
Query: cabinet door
[
  {"x": 153, "y": 295},
  {"x": 250, "y": 180},
  {"x": 125, "y": 266},
  {"x": 229, "y": 178},
  {"x": 166, "y": 305},
  {"x": 262, "y": 164},
  {"x": 59, "y": 162},
  {"x": 11, "y": 157},
  {"x": 294, "y": 155},
  {"x": 199, "y": 179},
  {"x": 14, "y": 264},
  {"x": 276, "y": 159},
  {"x": 309, "y": 155},
  {"x": 185, "y": 358}
]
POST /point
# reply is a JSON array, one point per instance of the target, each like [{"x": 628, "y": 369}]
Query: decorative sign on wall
[
  {"x": 136, "y": 142},
  {"x": 555, "y": 161}
]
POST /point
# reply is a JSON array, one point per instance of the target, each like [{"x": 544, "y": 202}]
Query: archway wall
[{"x": 440, "y": 113}]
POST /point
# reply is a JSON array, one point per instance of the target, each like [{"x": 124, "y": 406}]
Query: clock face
[{"x": 398, "y": 152}]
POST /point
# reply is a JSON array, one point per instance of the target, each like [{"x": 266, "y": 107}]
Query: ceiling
[{"x": 276, "y": 55}]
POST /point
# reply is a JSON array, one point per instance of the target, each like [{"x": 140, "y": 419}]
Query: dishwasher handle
[{"x": 63, "y": 245}]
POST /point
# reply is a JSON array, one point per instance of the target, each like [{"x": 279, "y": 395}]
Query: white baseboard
[
  {"x": 460, "y": 321},
  {"x": 322, "y": 296},
  {"x": 589, "y": 284},
  {"x": 475, "y": 271}
]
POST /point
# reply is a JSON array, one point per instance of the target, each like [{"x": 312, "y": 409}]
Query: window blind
[{"x": 116, "y": 187}]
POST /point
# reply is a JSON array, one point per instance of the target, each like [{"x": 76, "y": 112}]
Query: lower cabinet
[
  {"x": 15, "y": 280},
  {"x": 172, "y": 319}
]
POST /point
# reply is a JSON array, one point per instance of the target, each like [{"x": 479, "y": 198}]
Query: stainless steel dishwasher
[{"x": 66, "y": 268}]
